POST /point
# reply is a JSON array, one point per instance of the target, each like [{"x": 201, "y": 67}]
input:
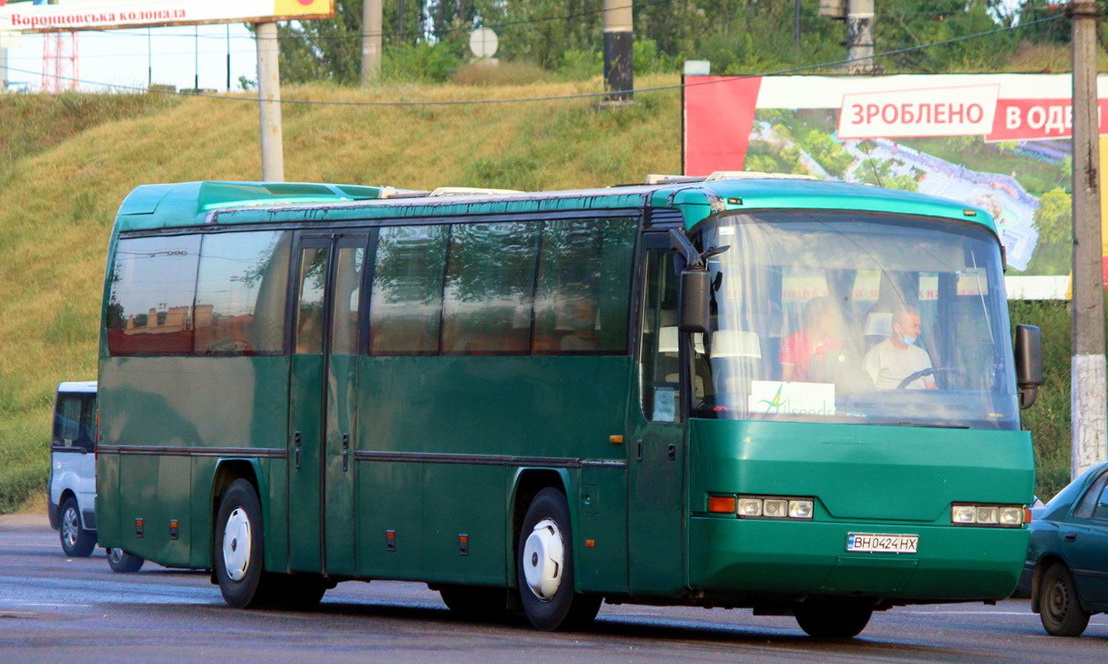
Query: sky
[{"x": 177, "y": 56}]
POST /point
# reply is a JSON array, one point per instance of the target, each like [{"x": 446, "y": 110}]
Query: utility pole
[
  {"x": 269, "y": 103},
  {"x": 4, "y": 78},
  {"x": 619, "y": 39},
  {"x": 859, "y": 36},
  {"x": 858, "y": 16},
  {"x": 372, "y": 26},
  {"x": 1088, "y": 407}
]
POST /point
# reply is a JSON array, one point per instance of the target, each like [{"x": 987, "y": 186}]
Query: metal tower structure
[{"x": 60, "y": 61}]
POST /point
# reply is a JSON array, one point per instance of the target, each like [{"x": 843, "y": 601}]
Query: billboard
[
  {"x": 996, "y": 141},
  {"x": 68, "y": 15}
]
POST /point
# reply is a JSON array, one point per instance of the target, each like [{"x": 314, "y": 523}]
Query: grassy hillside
[{"x": 66, "y": 162}]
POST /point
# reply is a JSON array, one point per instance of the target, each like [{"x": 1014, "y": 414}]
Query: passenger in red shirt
[{"x": 821, "y": 336}]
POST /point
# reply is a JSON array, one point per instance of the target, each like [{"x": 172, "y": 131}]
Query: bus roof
[{"x": 151, "y": 207}]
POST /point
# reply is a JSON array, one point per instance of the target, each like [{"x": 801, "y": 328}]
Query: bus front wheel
[
  {"x": 832, "y": 620},
  {"x": 238, "y": 546},
  {"x": 544, "y": 567}
]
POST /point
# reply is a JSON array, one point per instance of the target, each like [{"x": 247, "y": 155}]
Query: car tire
[
  {"x": 238, "y": 554},
  {"x": 544, "y": 567},
  {"x": 1060, "y": 608},
  {"x": 832, "y": 620},
  {"x": 77, "y": 542},
  {"x": 124, "y": 563}
]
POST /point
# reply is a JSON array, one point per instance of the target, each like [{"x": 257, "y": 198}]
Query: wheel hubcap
[
  {"x": 69, "y": 527},
  {"x": 115, "y": 555},
  {"x": 543, "y": 556},
  {"x": 236, "y": 544}
]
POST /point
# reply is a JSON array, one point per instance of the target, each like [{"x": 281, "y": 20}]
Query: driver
[{"x": 896, "y": 358}]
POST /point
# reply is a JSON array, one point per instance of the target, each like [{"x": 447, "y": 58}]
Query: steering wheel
[
  {"x": 912, "y": 377},
  {"x": 923, "y": 373}
]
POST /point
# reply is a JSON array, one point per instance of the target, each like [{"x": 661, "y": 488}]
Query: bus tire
[
  {"x": 475, "y": 602},
  {"x": 77, "y": 541},
  {"x": 122, "y": 562},
  {"x": 832, "y": 620},
  {"x": 1060, "y": 609},
  {"x": 293, "y": 592},
  {"x": 239, "y": 554},
  {"x": 544, "y": 567}
]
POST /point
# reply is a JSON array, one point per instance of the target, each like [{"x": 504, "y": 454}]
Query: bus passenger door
[
  {"x": 341, "y": 404},
  {"x": 322, "y": 395},
  {"x": 306, "y": 403},
  {"x": 656, "y": 538}
]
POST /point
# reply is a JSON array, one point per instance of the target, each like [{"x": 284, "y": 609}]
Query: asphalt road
[{"x": 63, "y": 610}]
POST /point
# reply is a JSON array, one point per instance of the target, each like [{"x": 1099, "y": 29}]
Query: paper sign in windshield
[{"x": 787, "y": 398}]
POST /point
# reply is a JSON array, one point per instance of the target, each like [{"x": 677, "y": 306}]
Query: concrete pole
[
  {"x": 1087, "y": 371},
  {"x": 4, "y": 78},
  {"x": 619, "y": 39},
  {"x": 859, "y": 36},
  {"x": 372, "y": 27},
  {"x": 269, "y": 103}
]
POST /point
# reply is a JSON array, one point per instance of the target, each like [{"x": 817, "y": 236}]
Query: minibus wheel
[
  {"x": 544, "y": 567},
  {"x": 77, "y": 542}
]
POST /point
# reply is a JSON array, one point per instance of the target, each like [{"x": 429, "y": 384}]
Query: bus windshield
[{"x": 868, "y": 318}]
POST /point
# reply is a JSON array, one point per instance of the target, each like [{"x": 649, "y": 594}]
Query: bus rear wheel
[
  {"x": 832, "y": 620},
  {"x": 122, "y": 562},
  {"x": 544, "y": 567},
  {"x": 239, "y": 551}
]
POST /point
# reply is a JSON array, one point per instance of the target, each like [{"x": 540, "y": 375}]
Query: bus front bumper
[{"x": 748, "y": 557}]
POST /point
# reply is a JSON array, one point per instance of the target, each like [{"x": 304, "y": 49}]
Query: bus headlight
[
  {"x": 974, "y": 514},
  {"x": 775, "y": 507}
]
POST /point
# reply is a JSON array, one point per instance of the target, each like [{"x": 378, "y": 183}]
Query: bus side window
[
  {"x": 659, "y": 368},
  {"x": 309, "y": 314}
]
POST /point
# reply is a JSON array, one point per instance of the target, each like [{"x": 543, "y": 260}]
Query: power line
[{"x": 584, "y": 95}]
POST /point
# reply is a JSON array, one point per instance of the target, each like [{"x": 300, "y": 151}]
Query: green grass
[{"x": 67, "y": 161}]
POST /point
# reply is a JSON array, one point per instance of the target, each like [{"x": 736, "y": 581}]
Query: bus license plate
[{"x": 881, "y": 543}]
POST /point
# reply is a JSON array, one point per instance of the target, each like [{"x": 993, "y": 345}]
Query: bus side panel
[
  {"x": 601, "y": 538},
  {"x": 109, "y": 528},
  {"x": 275, "y": 491},
  {"x": 157, "y": 490},
  {"x": 165, "y": 411},
  {"x": 474, "y": 412},
  {"x": 468, "y": 501},
  {"x": 389, "y": 520},
  {"x": 203, "y": 472}
]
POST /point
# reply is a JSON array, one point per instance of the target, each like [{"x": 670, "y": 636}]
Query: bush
[
  {"x": 499, "y": 73},
  {"x": 418, "y": 63}
]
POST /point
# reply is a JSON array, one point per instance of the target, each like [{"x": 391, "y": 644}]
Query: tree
[{"x": 331, "y": 50}]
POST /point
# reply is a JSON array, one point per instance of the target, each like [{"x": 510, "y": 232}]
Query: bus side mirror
[
  {"x": 695, "y": 298},
  {"x": 1029, "y": 363}
]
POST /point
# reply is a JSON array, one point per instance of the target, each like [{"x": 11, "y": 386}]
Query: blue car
[{"x": 1067, "y": 559}]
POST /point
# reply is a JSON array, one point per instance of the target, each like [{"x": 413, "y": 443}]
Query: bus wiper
[{"x": 930, "y": 425}]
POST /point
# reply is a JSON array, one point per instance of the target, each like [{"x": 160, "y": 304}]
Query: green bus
[{"x": 538, "y": 402}]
